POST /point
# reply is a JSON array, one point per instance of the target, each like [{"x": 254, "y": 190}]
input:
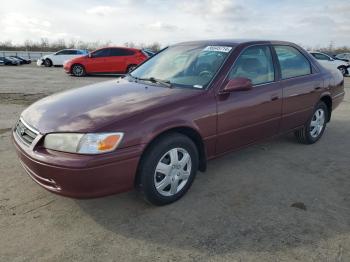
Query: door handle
[
  {"x": 316, "y": 89},
  {"x": 274, "y": 97}
]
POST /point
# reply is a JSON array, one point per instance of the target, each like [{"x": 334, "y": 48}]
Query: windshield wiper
[{"x": 165, "y": 83}]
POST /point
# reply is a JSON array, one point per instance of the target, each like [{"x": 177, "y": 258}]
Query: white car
[
  {"x": 58, "y": 58},
  {"x": 328, "y": 61},
  {"x": 345, "y": 56}
]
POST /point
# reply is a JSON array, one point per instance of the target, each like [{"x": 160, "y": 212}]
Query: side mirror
[{"x": 237, "y": 84}]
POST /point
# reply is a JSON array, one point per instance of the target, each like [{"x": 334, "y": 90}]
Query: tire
[
  {"x": 130, "y": 68},
  {"x": 315, "y": 126},
  {"x": 47, "y": 62},
  {"x": 343, "y": 70},
  {"x": 174, "y": 176},
  {"x": 78, "y": 70}
]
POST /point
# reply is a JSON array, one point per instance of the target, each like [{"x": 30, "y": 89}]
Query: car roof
[
  {"x": 122, "y": 47},
  {"x": 316, "y": 52},
  {"x": 71, "y": 49},
  {"x": 234, "y": 42}
]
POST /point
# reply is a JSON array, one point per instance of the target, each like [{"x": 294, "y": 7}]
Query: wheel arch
[
  {"x": 191, "y": 133},
  {"x": 326, "y": 98},
  {"x": 49, "y": 59}
]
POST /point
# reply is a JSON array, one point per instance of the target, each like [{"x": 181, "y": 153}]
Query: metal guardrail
[{"x": 33, "y": 55}]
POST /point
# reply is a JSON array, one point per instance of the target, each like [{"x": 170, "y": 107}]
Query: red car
[
  {"x": 190, "y": 103},
  {"x": 119, "y": 60}
]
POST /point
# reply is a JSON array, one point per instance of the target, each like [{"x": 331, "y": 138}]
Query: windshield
[{"x": 184, "y": 65}]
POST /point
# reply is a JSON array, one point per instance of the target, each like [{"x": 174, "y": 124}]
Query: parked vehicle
[
  {"x": 20, "y": 62},
  {"x": 23, "y": 60},
  {"x": 58, "y": 58},
  {"x": 118, "y": 60},
  {"x": 343, "y": 56},
  {"x": 2, "y": 62},
  {"x": 328, "y": 61},
  {"x": 9, "y": 60},
  {"x": 187, "y": 104}
]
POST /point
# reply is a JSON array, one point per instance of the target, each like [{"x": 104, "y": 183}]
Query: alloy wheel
[{"x": 78, "y": 70}]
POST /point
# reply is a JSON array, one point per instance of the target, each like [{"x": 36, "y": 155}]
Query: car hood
[
  {"x": 77, "y": 59},
  {"x": 93, "y": 107}
]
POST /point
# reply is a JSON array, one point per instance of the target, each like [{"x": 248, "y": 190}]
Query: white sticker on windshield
[
  {"x": 198, "y": 86},
  {"x": 217, "y": 48}
]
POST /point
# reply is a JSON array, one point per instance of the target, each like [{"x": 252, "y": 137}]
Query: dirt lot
[{"x": 239, "y": 210}]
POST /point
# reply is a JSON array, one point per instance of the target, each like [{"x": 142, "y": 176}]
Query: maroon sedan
[{"x": 157, "y": 126}]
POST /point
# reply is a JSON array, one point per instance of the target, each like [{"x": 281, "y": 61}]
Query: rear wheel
[
  {"x": 47, "y": 62},
  {"x": 168, "y": 168},
  {"x": 314, "y": 128},
  {"x": 343, "y": 70},
  {"x": 78, "y": 70}
]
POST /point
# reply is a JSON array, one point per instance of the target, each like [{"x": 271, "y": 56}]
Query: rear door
[
  {"x": 120, "y": 59},
  {"x": 248, "y": 116},
  {"x": 116, "y": 60},
  {"x": 300, "y": 83}
]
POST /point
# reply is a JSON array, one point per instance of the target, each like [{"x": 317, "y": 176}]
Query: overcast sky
[{"x": 307, "y": 22}]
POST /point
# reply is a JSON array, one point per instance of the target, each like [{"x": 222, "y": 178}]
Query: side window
[
  {"x": 292, "y": 62},
  {"x": 101, "y": 53},
  {"x": 255, "y": 63},
  {"x": 121, "y": 52},
  {"x": 319, "y": 56}
]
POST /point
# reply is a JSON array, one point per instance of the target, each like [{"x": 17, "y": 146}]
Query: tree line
[{"x": 44, "y": 45}]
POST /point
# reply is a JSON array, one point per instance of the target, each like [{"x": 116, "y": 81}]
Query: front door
[
  {"x": 97, "y": 61},
  {"x": 248, "y": 116}
]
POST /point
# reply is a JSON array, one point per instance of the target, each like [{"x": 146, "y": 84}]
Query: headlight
[{"x": 83, "y": 143}]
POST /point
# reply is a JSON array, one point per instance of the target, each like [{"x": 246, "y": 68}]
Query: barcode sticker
[{"x": 216, "y": 48}]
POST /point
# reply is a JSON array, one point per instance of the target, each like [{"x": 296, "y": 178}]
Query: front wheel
[
  {"x": 314, "y": 128},
  {"x": 78, "y": 70},
  {"x": 168, "y": 168},
  {"x": 47, "y": 62}
]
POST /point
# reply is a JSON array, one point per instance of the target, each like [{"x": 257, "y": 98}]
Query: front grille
[{"x": 25, "y": 133}]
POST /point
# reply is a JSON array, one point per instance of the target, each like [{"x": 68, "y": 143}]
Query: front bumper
[
  {"x": 79, "y": 176},
  {"x": 39, "y": 62},
  {"x": 66, "y": 68}
]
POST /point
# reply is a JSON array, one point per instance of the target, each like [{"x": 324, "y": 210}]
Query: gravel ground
[{"x": 276, "y": 201}]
